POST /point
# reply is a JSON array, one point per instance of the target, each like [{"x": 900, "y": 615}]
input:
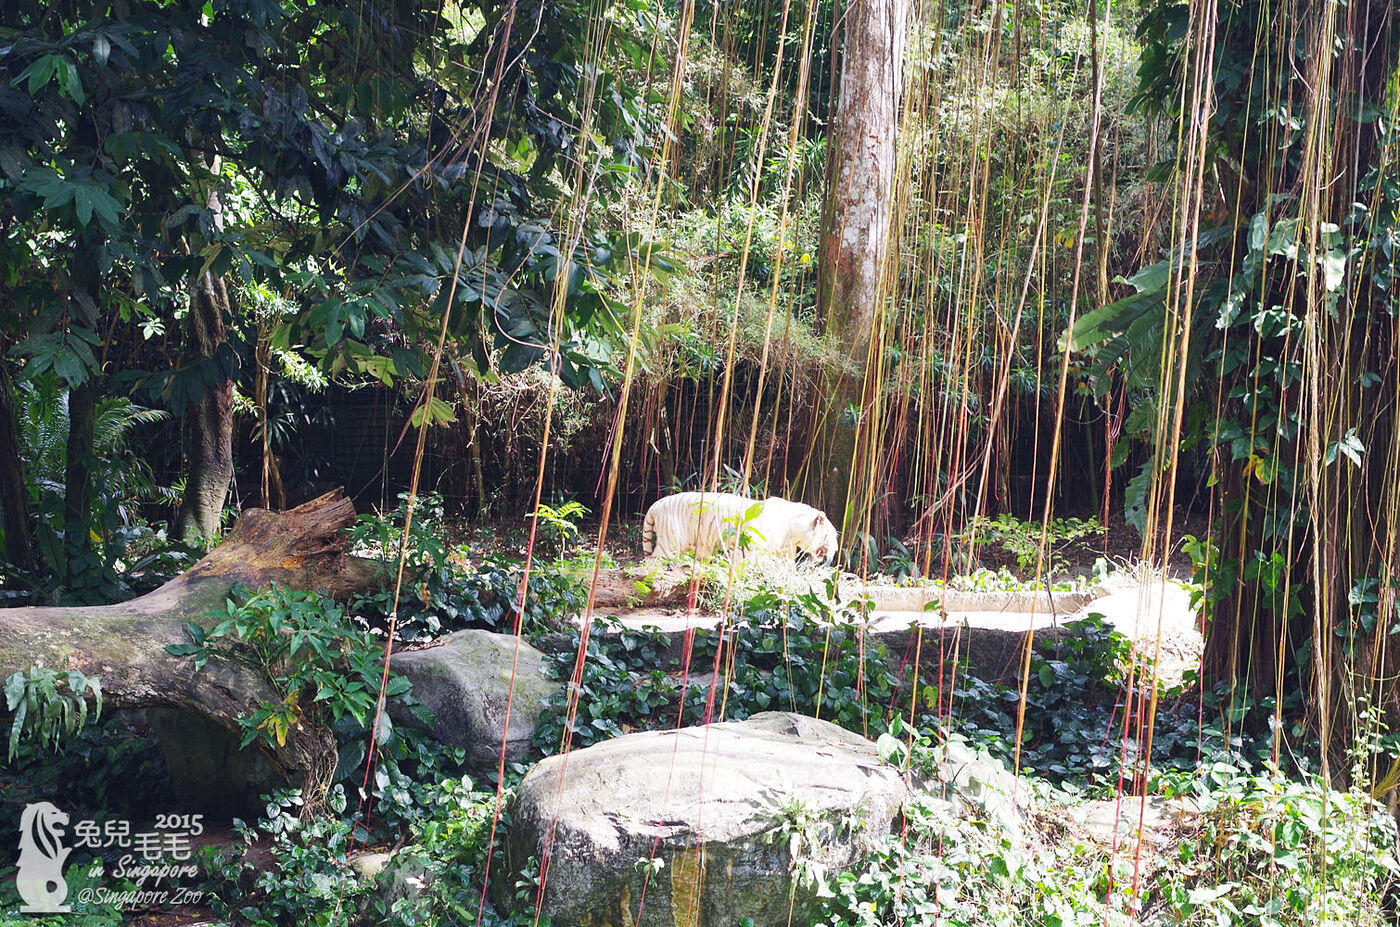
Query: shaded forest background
[{"x": 1125, "y": 261}]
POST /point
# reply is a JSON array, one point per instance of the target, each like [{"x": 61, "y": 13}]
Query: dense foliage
[{"x": 1140, "y": 273}]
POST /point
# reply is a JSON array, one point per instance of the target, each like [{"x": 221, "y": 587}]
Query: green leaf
[
  {"x": 1258, "y": 231},
  {"x": 1135, "y": 497},
  {"x": 107, "y": 207},
  {"x": 82, "y": 202},
  {"x": 1334, "y": 269},
  {"x": 14, "y": 690},
  {"x": 1151, "y": 278},
  {"x": 1350, "y": 446},
  {"x": 436, "y": 412},
  {"x": 351, "y": 755},
  {"x": 39, "y": 73},
  {"x": 1284, "y": 238},
  {"x": 384, "y": 729},
  {"x": 17, "y": 726},
  {"x": 72, "y": 82}
]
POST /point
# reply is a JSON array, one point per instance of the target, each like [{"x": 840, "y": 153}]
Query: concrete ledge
[{"x": 916, "y": 598}]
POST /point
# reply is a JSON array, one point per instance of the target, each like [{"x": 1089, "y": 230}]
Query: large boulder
[
  {"x": 699, "y": 826},
  {"x": 469, "y": 681}
]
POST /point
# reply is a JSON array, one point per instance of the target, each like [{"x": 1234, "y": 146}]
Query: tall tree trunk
[
  {"x": 81, "y": 573},
  {"x": 856, "y": 233},
  {"x": 861, "y": 171},
  {"x": 77, "y": 482},
  {"x": 209, "y": 421},
  {"x": 14, "y": 498}
]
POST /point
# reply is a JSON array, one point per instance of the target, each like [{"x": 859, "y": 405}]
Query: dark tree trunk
[
  {"x": 79, "y": 560},
  {"x": 1354, "y": 524},
  {"x": 14, "y": 497},
  {"x": 209, "y": 421},
  {"x": 1341, "y": 585},
  {"x": 79, "y": 571}
]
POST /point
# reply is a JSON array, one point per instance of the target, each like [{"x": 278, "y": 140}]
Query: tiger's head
[{"x": 818, "y": 538}]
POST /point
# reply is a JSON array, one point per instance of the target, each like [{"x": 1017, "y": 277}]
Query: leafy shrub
[
  {"x": 966, "y": 869},
  {"x": 87, "y": 909},
  {"x": 312, "y": 883},
  {"x": 1067, "y": 730},
  {"x": 775, "y": 658},
  {"x": 1003, "y": 580},
  {"x": 109, "y": 766},
  {"x": 1274, "y": 852},
  {"x": 122, "y": 481},
  {"x": 798, "y": 654},
  {"x": 326, "y": 669},
  {"x": 898, "y": 561},
  {"x": 625, "y": 685},
  {"x": 444, "y": 591},
  {"x": 560, "y": 524},
  {"x": 1021, "y": 539},
  {"x": 319, "y": 662},
  {"x": 451, "y": 850},
  {"x": 967, "y": 873},
  {"x": 46, "y": 705}
]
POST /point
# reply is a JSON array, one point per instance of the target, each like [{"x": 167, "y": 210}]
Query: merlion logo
[{"x": 41, "y": 856}]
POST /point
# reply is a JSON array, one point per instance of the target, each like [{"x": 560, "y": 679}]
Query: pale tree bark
[
  {"x": 209, "y": 421},
  {"x": 856, "y": 232},
  {"x": 861, "y": 170}
]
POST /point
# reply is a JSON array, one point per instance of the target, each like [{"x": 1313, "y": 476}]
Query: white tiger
[{"x": 702, "y": 522}]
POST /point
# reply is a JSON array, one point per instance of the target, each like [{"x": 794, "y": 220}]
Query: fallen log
[{"x": 124, "y": 643}]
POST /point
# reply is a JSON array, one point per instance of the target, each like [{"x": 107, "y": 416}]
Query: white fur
[{"x": 701, "y": 523}]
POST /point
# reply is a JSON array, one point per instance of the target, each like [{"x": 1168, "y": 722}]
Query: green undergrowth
[
  {"x": 434, "y": 881},
  {"x": 1275, "y": 851},
  {"x": 1254, "y": 850},
  {"x": 799, "y": 653},
  {"x": 447, "y": 587},
  {"x": 1249, "y": 847}
]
